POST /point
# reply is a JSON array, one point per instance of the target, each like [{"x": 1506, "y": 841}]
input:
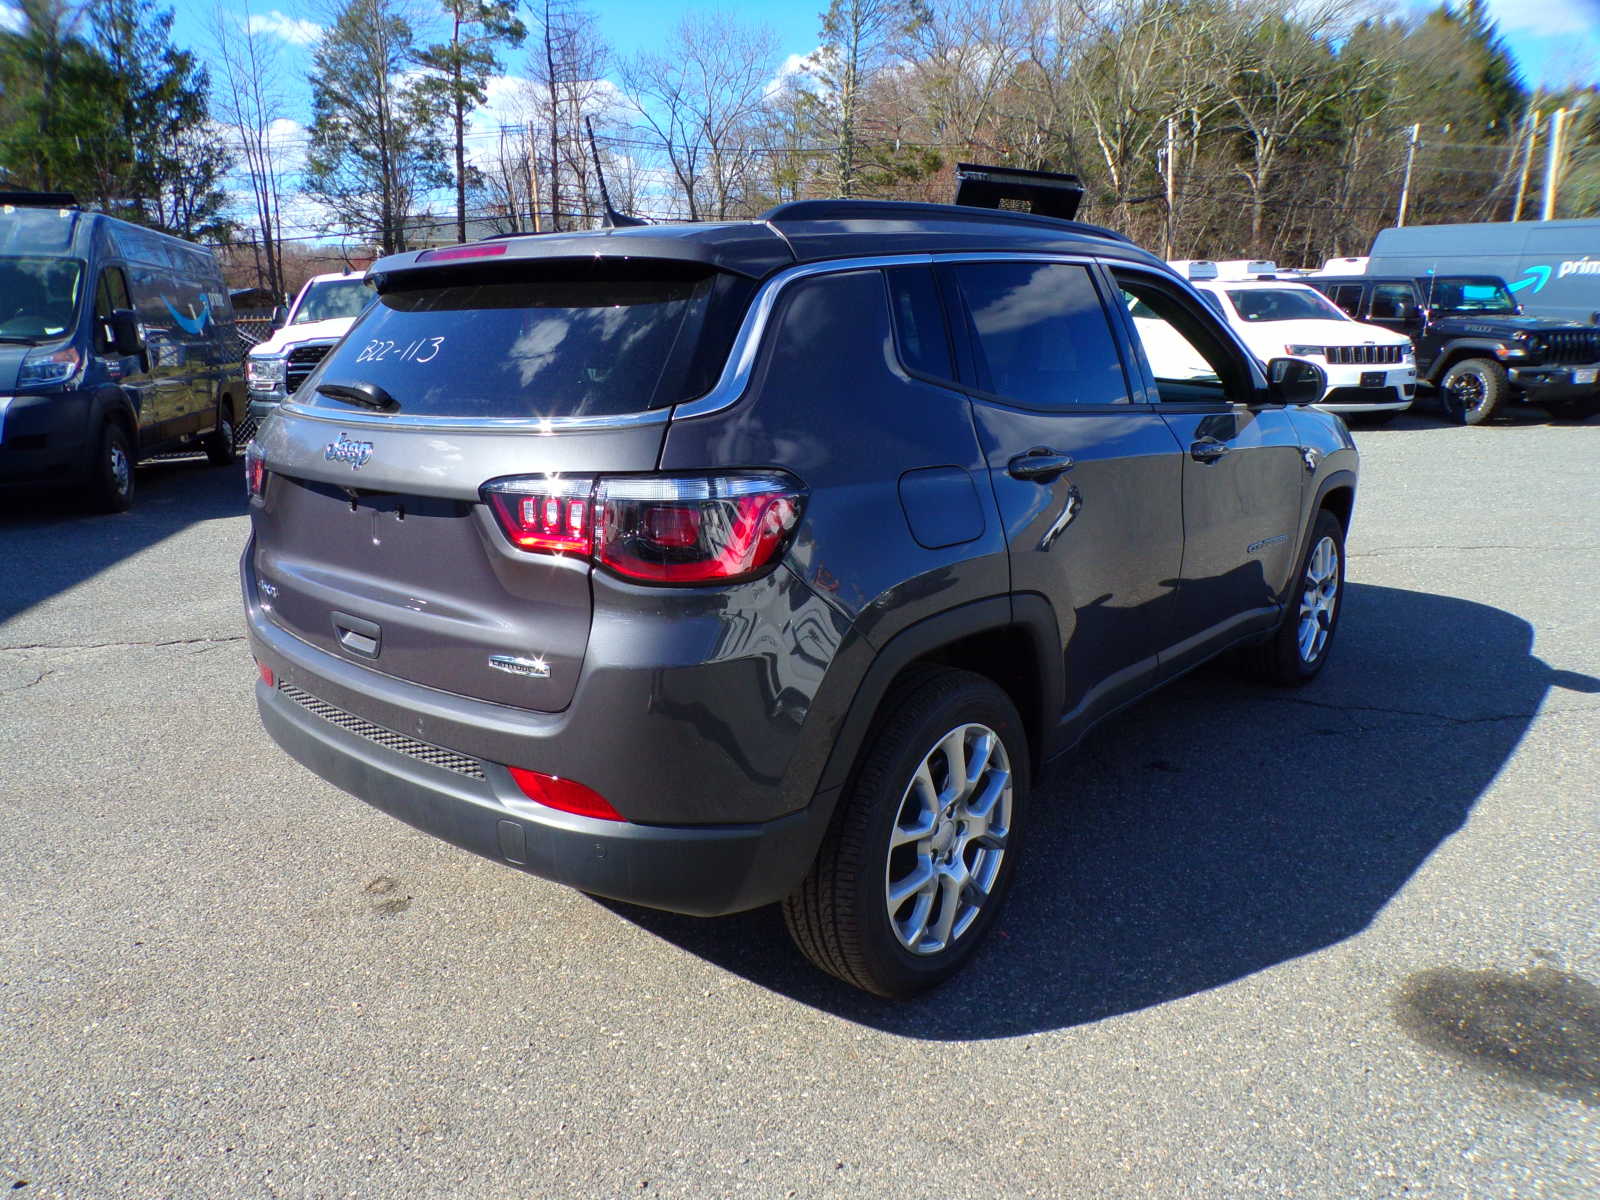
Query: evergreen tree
[
  {"x": 375, "y": 146},
  {"x": 464, "y": 65},
  {"x": 52, "y": 109}
]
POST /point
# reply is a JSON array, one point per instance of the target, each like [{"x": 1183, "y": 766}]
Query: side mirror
[
  {"x": 280, "y": 317},
  {"x": 127, "y": 335},
  {"x": 1295, "y": 381}
]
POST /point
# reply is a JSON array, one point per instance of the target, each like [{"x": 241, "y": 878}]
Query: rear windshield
[{"x": 589, "y": 338}]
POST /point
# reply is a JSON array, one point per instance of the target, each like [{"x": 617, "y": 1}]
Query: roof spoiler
[
  {"x": 1045, "y": 193},
  {"x": 38, "y": 200}
]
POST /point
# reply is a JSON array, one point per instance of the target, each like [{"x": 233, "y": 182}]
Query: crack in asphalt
[
  {"x": 1492, "y": 546},
  {"x": 1413, "y": 712},
  {"x": 201, "y": 641}
]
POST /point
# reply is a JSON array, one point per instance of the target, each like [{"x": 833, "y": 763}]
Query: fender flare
[
  {"x": 1029, "y": 613},
  {"x": 1342, "y": 478},
  {"x": 1450, "y": 354}
]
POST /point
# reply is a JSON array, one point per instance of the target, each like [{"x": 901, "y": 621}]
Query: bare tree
[
  {"x": 247, "y": 97},
  {"x": 701, "y": 96},
  {"x": 567, "y": 64}
]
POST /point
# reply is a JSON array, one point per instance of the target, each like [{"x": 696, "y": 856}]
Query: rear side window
[
  {"x": 1348, "y": 297},
  {"x": 567, "y": 339},
  {"x": 1392, "y": 301},
  {"x": 1041, "y": 336},
  {"x": 919, "y": 327}
]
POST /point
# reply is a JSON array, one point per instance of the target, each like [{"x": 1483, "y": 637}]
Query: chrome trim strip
[
  {"x": 545, "y": 425},
  {"x": 742, "y": 358}
]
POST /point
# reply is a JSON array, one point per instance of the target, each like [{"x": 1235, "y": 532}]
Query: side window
[
  {"x": 1190, "y": 362},
  {"x": 111, "y": 294},
  {"x": 1348, "y": 297},
  {"x": 1392, "y": 301},
  {"x": 1041, "y": 336},
  {"x": 919, "y": 327}
]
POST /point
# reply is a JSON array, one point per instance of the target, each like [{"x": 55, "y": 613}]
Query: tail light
[
  {"x": 661, "y": 529},
  {"x": 255, "y": 470},
  {"x": 567, "y": 795}
]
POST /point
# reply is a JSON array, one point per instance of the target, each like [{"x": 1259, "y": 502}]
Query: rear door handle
[
  {"x": 1041, "y": 465},
  {"x": 1208, "y": 450}
]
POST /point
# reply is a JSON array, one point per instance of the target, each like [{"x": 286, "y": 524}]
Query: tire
[
  {"x": 840, "y": 917},
  {"x": 1473, "y": 390},
  {"x": 1572, "y": 410},
  {"x": 111, "y": 478},
  {"x": 1295, "y": 653},
  {"x": 220, "y": 442}
]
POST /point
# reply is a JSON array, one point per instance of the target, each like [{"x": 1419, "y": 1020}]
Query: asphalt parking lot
[{"x": 1343, "y": 942}]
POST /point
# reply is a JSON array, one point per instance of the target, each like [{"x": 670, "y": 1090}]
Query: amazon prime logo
[{"x": 347, "y": 451}]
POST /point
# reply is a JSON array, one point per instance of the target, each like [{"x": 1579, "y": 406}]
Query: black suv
[
  {"x": 1475, "y": 345},
  {"x": 716, "y": 565}
]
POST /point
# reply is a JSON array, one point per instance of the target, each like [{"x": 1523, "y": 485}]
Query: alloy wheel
[
  {"x": 1319, "y": 598},
  {"x": 949, "y": 839}
]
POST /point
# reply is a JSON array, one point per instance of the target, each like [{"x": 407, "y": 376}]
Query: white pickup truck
[{"x": 321, "y": 314}]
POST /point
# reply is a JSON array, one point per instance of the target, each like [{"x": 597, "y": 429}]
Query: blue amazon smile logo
[
  {"x": 1536, "y": 278},
  {"x": 195, "y": 325}
]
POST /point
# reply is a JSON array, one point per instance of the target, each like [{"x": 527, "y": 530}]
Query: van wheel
[
  {"x": 1298, "y": 650},
  {"x": 111, "y": 476},
  {"x": 219, "y": 443},
  {"x": 1473, "y": 390},
  {"x": 915, "y": 867}
]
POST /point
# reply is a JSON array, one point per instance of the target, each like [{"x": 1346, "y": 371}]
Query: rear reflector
[
  {"x": 567, "y": 795},
  {"x": 655, "y": 528},
  {"x": 266, "y": 674},
  {"x": 255, "y": 470},
  {"x": 492, "y": 250}
]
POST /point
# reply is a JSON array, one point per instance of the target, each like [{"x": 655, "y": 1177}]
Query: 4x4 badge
[{"x": 346, "y": 451}]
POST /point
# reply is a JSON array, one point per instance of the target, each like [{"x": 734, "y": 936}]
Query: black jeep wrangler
[{"x": 1475, "y": 345}]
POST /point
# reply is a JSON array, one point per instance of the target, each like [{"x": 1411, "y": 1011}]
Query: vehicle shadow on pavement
[
  {"x": 1216, "y": 829},
  {"x": 49, "y": 544}
]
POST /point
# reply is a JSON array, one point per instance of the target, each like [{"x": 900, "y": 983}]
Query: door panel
[
  {"x": 1103, "y": 541},
  {"x": 1241, "y": 497}
]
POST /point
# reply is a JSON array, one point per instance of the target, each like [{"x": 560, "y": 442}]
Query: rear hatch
[{"x": 372, "y": 538}]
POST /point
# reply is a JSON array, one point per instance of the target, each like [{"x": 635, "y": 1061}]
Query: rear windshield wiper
[{"x": 368, "y": 395}]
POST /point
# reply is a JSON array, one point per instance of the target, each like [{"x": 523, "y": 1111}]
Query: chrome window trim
[
  {"x": 730, "y": 386},
  {"x": 735, "y": 378}
]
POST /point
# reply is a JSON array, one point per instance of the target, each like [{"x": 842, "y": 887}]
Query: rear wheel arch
[{"x": 1011, "y": 640}]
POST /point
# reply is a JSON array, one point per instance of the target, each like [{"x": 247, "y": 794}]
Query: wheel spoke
[
  {"x": 952, "y": 880},
  {"x": 920, "y": 879},
  {"x": 954, "y": 749}
]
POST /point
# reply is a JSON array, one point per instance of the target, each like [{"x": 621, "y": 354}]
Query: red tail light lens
[
  {"x": 694, "y": 530},
  {"x": 661, "y": 529},
  {"x": 567, "y": 795},
  {"x": 255, "y": 470},
  {"x": 492, "y": 250}
]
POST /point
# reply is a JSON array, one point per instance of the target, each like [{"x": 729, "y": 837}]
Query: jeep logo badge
[{"x": 346, "y": 451}]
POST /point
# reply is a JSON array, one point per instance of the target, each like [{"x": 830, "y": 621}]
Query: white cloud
[
  {"x": 294, "y": 30},
  {"x": 10, "y": 19},
  {"x": 795, "y": 70},
  {"x": 1567, "y": 17}
]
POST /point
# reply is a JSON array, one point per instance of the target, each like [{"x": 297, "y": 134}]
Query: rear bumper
[{"x": 699, "y": 870}]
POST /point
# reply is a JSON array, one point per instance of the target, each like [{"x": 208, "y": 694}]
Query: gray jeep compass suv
[{"x": 714, "y": 565}]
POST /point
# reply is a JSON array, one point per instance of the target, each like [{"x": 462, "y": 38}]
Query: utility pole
[
  {"x": 1532, "y": 123},
  {"x": 1552, "y": 162},
  {"x": 1172, "y": 190},
  {"x": 1405, "y": 187},
  {"x": 533, "y": 179}
]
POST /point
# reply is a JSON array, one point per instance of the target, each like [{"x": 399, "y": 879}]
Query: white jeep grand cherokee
[{"x": 321, "y": 314}]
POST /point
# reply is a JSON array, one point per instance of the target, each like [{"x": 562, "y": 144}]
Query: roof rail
[
  {"x": 38, "y": 199},
  {"x": 1046, "y": 193},
  {"x": 891, "y": 210}
]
